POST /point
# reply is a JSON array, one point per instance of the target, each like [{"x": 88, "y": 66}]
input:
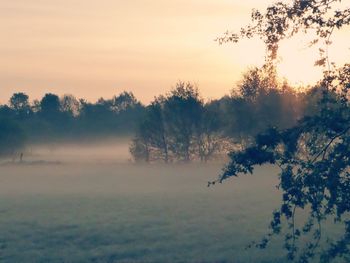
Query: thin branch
[
  {"x": 324, "y": 150},
  {"x": 293, "y": 224}
]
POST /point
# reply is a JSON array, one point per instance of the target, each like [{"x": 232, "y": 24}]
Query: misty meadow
[{"x": 259, "y": 172}]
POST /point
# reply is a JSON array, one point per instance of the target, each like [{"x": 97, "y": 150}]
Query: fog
[
  {"x": 112, "y": 150},
  {"x": 90, "y": 203}
]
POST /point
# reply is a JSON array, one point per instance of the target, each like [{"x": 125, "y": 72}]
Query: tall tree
[
  {"x": 151, "y": 142},
  {"x": 209, "y": 135},
  {"x": 178, "y": 127},
  {"x": 183, "y": 109},
  {"x": 313, "y": 155}
]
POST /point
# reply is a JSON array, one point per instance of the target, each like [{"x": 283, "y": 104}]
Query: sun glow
[
  {"x": 93, "y": 49},
  {"x": 296, "y": 62},
  {"x": 297, "y": 59}
]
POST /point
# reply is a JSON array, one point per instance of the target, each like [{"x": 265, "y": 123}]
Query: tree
[
  {"x": 169, "y": 127},
  {"x": 261, "y": 101},
  {"x": 20, "y": 104},
  {"x": 209, "y": 137},
  {"x": 182, "y": 109},
  {"x": 96, "y": 118},
  {"x": 284, "y": 20},
  {"x": 314, "y": 154},
  {"x": 50, "y": 106},
  {"x": 70, "y": 105},
  {"x": 116, "y": 116},
  {"x": 151, "y": 142},
  {"x": 178, "y": 127},
  {"x": 11, "y": 137},
  {"x": 124, "y": 101}
]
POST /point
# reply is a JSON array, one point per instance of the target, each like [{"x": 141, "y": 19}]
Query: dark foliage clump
[{"x": 313, "y": 155}]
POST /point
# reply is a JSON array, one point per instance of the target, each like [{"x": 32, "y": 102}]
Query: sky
[{"x": 94, "y": 49}]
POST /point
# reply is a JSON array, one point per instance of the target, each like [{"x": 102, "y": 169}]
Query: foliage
[
  {"x": 11, "y": 137},
  {"x": 314, "y": 160},
  {"x": 262, "y": 102},
  {"x": 50, "y": 106},
  {"x": 20, "y": 104},
  {"x": 54, "y": 118},
  {"x": 283, "y": 20},
  {"x": 314, "y": 154},
  {"x": 183, "y": 110},
  {"x": 174, "y": 128},
  {"x": 179, "y": 126}
]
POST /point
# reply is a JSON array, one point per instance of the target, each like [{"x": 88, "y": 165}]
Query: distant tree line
[
  {"x": 66, "y": 118},
  {"x": 179, "y": 126}
]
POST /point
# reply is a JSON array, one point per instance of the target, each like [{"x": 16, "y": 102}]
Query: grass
[{"x": 129, "y": 213}]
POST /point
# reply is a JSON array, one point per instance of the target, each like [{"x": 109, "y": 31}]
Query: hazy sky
[{"x": 93, "y": 48}]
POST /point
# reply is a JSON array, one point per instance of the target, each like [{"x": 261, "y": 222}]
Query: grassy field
[{"x": 130, "y": 213}]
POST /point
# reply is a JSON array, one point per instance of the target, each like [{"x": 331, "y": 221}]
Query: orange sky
[{"x": 99, "y": 48}]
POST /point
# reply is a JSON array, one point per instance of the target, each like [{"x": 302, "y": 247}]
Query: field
[{"x": 121, "y": 212}]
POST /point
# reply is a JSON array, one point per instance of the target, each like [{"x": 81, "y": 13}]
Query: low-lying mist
[
  {"x": 113, "y": 150},
  {"x": 90, "y": 203}
]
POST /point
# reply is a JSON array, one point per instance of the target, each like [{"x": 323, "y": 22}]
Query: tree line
[
  {"x": 179, "y": 126},
  {"x": 54, "y": 119}
]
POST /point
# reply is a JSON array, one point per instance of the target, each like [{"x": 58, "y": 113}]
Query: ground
[{"x": 123, "y": 212}]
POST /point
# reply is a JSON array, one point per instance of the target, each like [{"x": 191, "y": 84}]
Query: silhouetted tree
[
  {"x": 153, "y": 132},
  {"x": 124, "y": 101},
  {"x": 209, "y": 136},
  {"x": 260, "y": 101},
  {"x": 50, "y": 106},
  {"x": 116, "y": 116},
  {"x": 183, "y": 109},
  {"x": 313, "y": 155},
  {"x": 178, "y": 127},
  {"x": 19, "y": 102},
  {"x": 168, "y": 127}
]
